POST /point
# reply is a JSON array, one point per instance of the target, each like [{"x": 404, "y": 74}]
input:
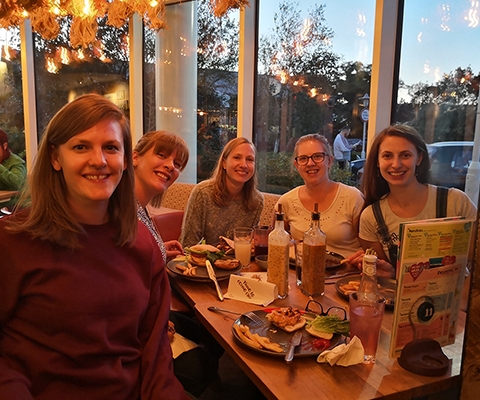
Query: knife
[
  {"x": 211, "y": 275},
  {"x": 296, "y": 339}
]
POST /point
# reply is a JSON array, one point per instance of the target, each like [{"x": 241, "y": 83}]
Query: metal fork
[
  {"x": 254, "y": 318},
  {"x": 250, "y": 314}
]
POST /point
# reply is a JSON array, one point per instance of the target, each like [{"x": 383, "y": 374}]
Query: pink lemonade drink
[{"x": 365, "y": 323}]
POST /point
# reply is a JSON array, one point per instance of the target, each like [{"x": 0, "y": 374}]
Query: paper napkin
[
  {"x": 344, "y": 354},
  {"x": 180, "y": 345},
  {"x": 252, "y": 288}
]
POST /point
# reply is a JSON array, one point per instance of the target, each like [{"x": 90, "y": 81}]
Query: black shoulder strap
[
  {"x": 382, "y": 227},
  {"x": 442, "y": 200},
  {"x": 383, "y": 231}
]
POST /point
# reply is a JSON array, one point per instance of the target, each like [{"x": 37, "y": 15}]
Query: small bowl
[{"x": 262, "y": 261}]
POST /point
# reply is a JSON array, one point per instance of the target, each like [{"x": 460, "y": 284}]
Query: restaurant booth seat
[{"x": 168, "y": 217}]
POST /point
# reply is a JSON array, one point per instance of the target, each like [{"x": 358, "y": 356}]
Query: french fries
[
  {"x": 188, "y": 270},
  {"x": 255, "y": 340},
  {"x": 350, "y": 287}
]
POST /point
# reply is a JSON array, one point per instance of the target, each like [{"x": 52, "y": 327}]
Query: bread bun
[
  {"x": 204, "y": 248},
  {"x": 292, "y": 328},
  {"x": 197, "y": 259},
  {"x": 319, "y": 334},
  {"x": 227, "y": 263}
]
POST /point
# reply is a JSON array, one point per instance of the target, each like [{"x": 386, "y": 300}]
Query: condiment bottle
[
  {"x": 313, "y": 257},
  {"x": 368, "y": 289},
  {"x": 278, "y": 249}
]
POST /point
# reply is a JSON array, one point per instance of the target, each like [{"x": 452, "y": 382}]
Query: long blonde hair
[
  {"x": 50, "y": 217},
  {"x": 252, "y": 197}
]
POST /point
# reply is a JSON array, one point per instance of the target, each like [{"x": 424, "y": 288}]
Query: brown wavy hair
[
  {"x": 252, "y": 198},
  {"x": 50, "y": 217},
  {"x": 374, "y": 186},
  {"x": 165, "y": 142}
]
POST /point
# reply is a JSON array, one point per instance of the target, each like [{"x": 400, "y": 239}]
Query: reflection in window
[
  {"x": 63, "y": 73},
  {"x": 313, "y": 66},
  {"x": 11, "y": 98},
  {"x": 217, "y": 85},
  {"x": 149, "y": 119},
  {"x": 439, "y": 72}
]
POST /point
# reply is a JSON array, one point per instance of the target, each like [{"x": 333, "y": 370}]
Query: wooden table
[
  {"x": 6, "y": 195},
  {"x": 304, "y": 378}
]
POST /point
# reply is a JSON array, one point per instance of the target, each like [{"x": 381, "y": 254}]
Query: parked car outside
[{"x": 449, "y": 163}]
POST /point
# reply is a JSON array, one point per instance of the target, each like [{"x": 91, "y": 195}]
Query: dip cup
[{"x": 365, "y": 323}]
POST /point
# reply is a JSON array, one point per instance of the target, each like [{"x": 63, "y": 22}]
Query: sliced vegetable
[{"x": 330, "y": 324}]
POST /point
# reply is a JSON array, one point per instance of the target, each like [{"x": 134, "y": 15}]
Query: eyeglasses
[
  {"x": 316, "y": 158},
  {"x": 315, "y": 307}
]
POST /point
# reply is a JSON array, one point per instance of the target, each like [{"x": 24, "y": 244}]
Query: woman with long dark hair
[{"x": 396, "y": 181}]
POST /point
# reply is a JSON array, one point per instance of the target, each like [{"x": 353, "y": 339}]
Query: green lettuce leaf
[{"x": 330, "y": 324}]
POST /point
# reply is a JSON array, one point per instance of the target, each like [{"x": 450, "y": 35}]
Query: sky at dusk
[{"x": 438, "y": 36}]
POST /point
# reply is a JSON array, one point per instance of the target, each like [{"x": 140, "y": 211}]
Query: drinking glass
[
  {"x": 260, "y": 239},
  {"x": 243, "y": 238},
  {"x": 365, "y": 323}
]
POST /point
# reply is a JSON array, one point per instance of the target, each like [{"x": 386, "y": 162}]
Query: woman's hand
[
  {"x": 356, "y": 259},
  {"x": 385, "y": 269},
  {"x": 173, "y": 248}
]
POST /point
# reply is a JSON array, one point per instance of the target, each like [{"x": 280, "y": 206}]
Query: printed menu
[{"x": 432, "y": 257}]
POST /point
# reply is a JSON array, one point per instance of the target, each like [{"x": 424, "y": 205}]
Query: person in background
[
  {"x": 158, "y": 159},
  {"x": 13, "y": 171},
  {"x": 84, "y": 297},
  {"x": 228, "y": 199},
  {"x": 396, "y": 176},
  {"x": 341, "y": 148},
  {"x": 339, "y": 205}
]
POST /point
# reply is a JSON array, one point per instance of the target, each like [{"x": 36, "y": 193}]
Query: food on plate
[
  {"x": 188, "y": 269},
  {"x": 350, "y": 287},
  {"x": 227, "y": 263},
  {"x": 324, "y": 326},
  {"x": 255, "y": 340},
  {"x": 287, "y": 318},
  {"x": 226, "y": 245},
  {"x": 199, "y": 253}
]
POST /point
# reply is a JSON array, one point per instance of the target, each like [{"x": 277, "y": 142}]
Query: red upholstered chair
[{"x": 169, "y": 223}]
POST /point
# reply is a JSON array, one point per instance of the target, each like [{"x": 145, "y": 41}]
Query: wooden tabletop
[{"x": 305, "y": 378}]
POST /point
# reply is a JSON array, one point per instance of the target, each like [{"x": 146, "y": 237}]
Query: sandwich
[
  {"x": 325, "y": 326},
  {"x": 227, "y": 263},
  {"x": 199, "y": 253},
  {"x": 287, "y": 318}
]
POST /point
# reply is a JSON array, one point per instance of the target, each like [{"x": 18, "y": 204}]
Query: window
[
  {"x": 314, "y": 64},
  {"x": 11, "y": 97},
  {"x": 217, "y": 85},
  {"x": 63, "y": 73},
  {"x": 439, "y": 72}
]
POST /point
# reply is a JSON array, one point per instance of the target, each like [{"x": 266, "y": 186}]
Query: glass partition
[
  {"x": 217, "y": 87},
  {"x": 11, "y": 98},
  {"x": 439, "y": 80},
  {"x": 314, "y": 64},
  {"x": 63, "y": 73}
]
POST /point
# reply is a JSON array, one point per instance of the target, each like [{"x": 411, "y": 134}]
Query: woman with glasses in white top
[{"x": 339, "y": 205}]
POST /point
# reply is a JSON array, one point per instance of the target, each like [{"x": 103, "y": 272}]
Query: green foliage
[{"x": 278, "y": 175}]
